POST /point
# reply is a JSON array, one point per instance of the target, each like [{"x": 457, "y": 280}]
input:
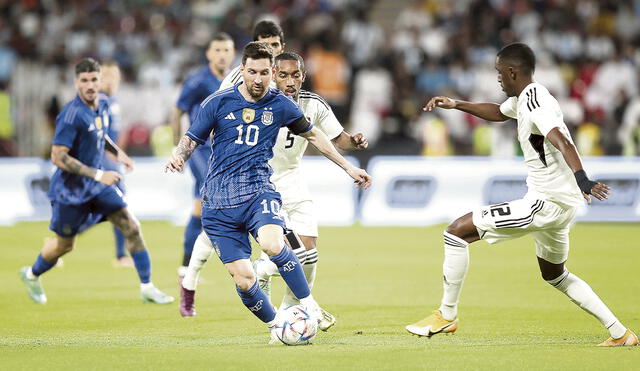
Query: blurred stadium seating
[{"x": 394, "y": 54}]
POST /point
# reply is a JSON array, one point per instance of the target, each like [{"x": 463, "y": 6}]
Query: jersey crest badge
[
  {"x": 248, "y": 115},
  {"x": 98, "y": 123},
  {"x": 267, "y": 118}
]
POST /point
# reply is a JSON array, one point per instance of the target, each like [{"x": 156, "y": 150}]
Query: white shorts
[
  {"x": 301, "y": 217},
  {"x": 547, "y": 221}
]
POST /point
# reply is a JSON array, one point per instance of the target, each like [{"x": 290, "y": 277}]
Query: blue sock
[
  {"x": 143, "y": 265},
  {"x": 191, "y": 232},
  {"x": 257, "y": 302},
  {"x": 291, "y": 272},
  {"x": 40, "y": 265},
  {"x": 119, "y": 243}
]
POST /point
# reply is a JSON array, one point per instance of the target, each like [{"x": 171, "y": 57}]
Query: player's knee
[
  {"x": 455, "y": 228},
  {"x": 133, "y": 228},
  {"x": 64, "y": 246},
  {"x": 244, "y": 281}
]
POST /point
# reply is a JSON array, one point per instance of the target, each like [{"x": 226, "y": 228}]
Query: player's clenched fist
[
  {"x": 441, "y": 102},
  {"x": 110, "y": 178},
  {"x": 359, "y": 141}
]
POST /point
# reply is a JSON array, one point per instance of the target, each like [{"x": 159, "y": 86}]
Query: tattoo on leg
[{"x": 130, "y": 228}]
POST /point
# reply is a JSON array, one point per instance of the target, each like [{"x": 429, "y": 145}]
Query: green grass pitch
[{"x": 375, "y": 280}]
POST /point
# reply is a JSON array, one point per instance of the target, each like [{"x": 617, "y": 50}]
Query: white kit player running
[
  {"x": 297, "y": 204},
  {"x": 556, "y": 183}
]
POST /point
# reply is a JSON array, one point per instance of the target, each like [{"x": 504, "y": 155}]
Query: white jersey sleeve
[
  {"x": 547, "y": 115},
  {"x": 232, "y": 78},
  {"x": 326, "y": 120},
  {"x": 509, "y": 107}
]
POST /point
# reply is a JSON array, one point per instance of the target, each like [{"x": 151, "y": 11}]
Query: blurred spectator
[{"x": 376, "y": 62}]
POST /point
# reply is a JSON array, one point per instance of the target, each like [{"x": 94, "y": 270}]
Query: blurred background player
[
  {"x": 267, "y": 32},
  {"x": 238, "y": 197},
  {"x": 81, "y": 193},
  {"x": 109, "y": 84},
  {"x": 557, "y": 183},
  {"x": 195, "y": 89}
]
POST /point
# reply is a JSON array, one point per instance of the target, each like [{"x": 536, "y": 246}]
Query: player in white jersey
[
  {"x": 556, "y": 182},
  {"x": 297, "y": 203}
]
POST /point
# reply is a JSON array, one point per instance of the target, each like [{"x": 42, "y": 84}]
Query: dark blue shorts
[
  {"x": 199, "y": 166},
  {"x": 229, "y": 229},
  {"x": 69, "y": 220}
]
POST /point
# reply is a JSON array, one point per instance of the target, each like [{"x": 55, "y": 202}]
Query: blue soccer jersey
[
  {"x": 82, "y": 129},
  {"x": 244, "y": 136},
  {"x": 197, "y": 88},
  {"x": 115, "y": 120}
]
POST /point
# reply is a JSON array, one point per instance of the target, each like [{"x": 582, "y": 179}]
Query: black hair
[
  {"x": 290, "y": 56},
  {"x": 267, "y": 29},
  {"x": 520, "y": 55},
  {"x": 257, "y": 50},
  {"x": 221, "y": 36},
  {"x": 87, "y": 65}
]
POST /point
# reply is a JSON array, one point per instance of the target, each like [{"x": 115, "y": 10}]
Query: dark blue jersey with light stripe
[
  {"x": 82, "y": 130},
  {"x": 244, "y": 134}
]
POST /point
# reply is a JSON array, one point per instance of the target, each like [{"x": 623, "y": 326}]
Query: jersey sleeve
[
  {"x": 66, "y": 130},
  {"x": 205, "y": 121},
  {"x": 326, "y": 121},
  {"x": 188, "y": 95},
  {"x": 231, "y": 79},
  {"x": 293, "y": 118},
  {"x": 548, "y": 115},
  {"x": 509, "y": 107}
]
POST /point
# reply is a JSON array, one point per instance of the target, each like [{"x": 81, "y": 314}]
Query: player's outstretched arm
[
  {"x": 570, "y": 154},
  {"x": 180, "y": 154},
  {"x": 319, "y": 140},
  {"x": 486, "y": 111},
  {"x": 121, "y": 156},
  {"x": 61, "y": 158},
  {"x": 348, "y": 142}
]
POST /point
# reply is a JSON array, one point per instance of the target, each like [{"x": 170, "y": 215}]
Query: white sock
[
  {"x": 581, "y": 293},
  {"x": 144, "y": 286},
  {"x": 202, "y": 250},
  {"x": 454, "y": 269},
  {"x": 30, "y": 274},
  {"x": 267, "y": 266},
  {"x": 309, "y": 302},
  {"x": 289, "y": 299}
]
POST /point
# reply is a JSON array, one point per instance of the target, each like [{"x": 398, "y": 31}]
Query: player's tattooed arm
[
  {"x": 121, "y": 155},
  {"x": 181, "y": 154},
  {"x": 61, "y": 158},
  {"x": 587, "y": 186}
]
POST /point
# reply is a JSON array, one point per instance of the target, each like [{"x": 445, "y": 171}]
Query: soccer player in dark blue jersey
[
  {"x": 109, "y": 83},
  {"x": 237, "y": 197},
  {"x": 195, "y": 89},
  {"x": 81, "y": 192}
]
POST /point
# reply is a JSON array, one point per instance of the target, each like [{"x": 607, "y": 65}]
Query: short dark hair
[
  {"x": 221, "y": 36},
  {"x": 520, "y": 55},
  {"x": 267, "y": 29},
  {"x": 87, "y": 65},
  {"x": 290, "y": 56},
  {"x": 257, "y": 50}
]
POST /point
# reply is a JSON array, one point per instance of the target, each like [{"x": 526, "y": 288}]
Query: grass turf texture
[{"x": 375, "y": 280}]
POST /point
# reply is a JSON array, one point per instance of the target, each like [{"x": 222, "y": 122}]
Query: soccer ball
[{"x": 295, "y": 326}]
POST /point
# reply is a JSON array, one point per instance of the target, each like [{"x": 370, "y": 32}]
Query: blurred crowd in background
[{"x": 375, "y": 62}]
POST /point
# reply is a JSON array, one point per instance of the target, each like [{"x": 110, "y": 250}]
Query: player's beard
[
  {"x": 256, "y": 93},
  {"x": 89, "y": 98}
]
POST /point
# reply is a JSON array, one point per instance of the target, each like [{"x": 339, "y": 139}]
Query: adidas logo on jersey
[{"x": 230, "y": 116}]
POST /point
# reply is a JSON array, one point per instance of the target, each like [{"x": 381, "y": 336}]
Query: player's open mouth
[{"x": 290, "y": 91}]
